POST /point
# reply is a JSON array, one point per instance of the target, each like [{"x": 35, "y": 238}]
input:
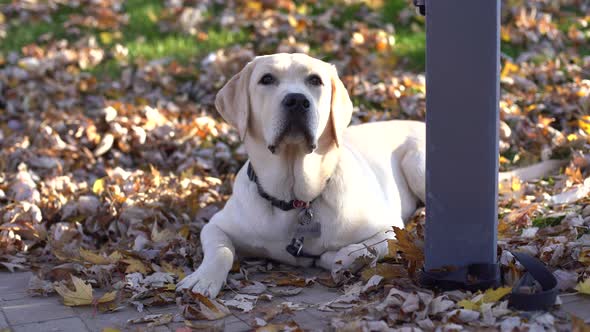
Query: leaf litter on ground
[{"x": 106, "y": 181}]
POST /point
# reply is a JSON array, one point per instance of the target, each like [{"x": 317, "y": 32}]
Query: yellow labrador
[
  {"x": 311, "y": 184},
  {"x": 313, "y": 191}
]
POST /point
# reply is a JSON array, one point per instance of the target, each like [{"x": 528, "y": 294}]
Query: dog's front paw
[
  {"x": 351, "y": 259},
  {"x": 203, "y": 281}
]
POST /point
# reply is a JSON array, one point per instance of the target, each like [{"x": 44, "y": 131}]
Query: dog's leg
[
  {"x": 355, "y": 256},
  {"x": 212, "y": 273},
  {"x": 414, "y": 168}
]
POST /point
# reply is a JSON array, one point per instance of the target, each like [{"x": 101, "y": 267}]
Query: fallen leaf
[
  {"x": 584, "y": 287},
  {"x": 98, "y": 186},
  {"x": 94, "y": 258},
  {"x": 386, "y": 270},
  {"x": 135, "y": 265},
  {"x": 489, "y": 296},
  {"x": 205, "y": 308},
  {"x": 82, "y": 294}
]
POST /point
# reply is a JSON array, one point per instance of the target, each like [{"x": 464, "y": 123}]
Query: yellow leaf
[
  {"x": 176, "y": 270},
  {"x": 82, "y": 295},
  {"x": 108, "y": 297},
  {"x": 152, "y": 16},
  {"x": 115, "y": 256},
  {"x": 184, "y": 231},
  {"x": 106, "y": 38},
  {"x": 135, "y": 265},
  {"x": 254, "y": 5},
  {"x": 302, "y": 9},
  {"x": 505, "y": 34},
  {"x": 572, "y": 137},
  {"x": 98, "y": 186},
  {"x": 374, "y": 4},
  {"x": 110, "y": 329},
  {"x": 490, "y": 295},
  {"x": 466, "y": 304},
  {"x": 494, "y": 295},
  {"x": 584, "y": 287},
  {"x": 584, "y": 123},
  {"x": 508, "y": 69},
  {"x": 516, "y": 184},
  {"x": 93, "y": 258}
]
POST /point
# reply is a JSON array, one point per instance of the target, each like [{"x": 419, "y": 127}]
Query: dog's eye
[
  {"x": 267, "y": 79},
  {"x": 314, "y": 80}
]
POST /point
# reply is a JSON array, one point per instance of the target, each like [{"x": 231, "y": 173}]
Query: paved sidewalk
[
  {"x": 23, "y": 313},
  {"x": 20, "y": 312}
]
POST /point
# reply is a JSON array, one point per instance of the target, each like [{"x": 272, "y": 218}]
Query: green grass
[
  {"x": 24, "y": 34},
  {"x": 142, "y": 36},
  {"x": 410, "y": 43},
  {"x": 542, "y": 222}
]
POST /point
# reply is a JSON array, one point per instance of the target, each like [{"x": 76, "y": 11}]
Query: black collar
[{"x": 283, "y": 205}]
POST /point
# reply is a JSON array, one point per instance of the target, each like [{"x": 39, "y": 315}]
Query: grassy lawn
[
  {"x": 142, "y": 36},
  {"x": 144, "y": 39}
]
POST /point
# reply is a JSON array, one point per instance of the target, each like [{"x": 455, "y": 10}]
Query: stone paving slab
[
  {"x": 96, "y": 321},
  {"x": 72, "y": 324},
  {"x": 3, "y": 322},
  {"x": 35, "y": 309},
  {"x": 578, "y": 305}
]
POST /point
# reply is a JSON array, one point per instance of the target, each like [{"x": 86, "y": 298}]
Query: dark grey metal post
[{"x": 462, "y": 91}]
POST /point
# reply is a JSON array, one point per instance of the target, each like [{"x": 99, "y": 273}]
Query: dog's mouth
[{"x": 294, "y": 133}]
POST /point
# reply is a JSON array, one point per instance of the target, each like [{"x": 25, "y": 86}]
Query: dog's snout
[{"x": 295, "y": 102}]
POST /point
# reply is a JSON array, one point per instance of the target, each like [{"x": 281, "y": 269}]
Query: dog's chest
[{"x": 342, "y": 219}]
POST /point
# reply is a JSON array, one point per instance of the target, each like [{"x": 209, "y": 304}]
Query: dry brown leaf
[
  {"x": 82, "y": 294},
  {"x": 386, "y": 270},
  {"x": 406, "y": 244},
  {"x": 135, "y": 265},
  {"x": 91, "y": 257},
  {"x": 205, "y": 308},
  {"x": 288, "y": 326}
]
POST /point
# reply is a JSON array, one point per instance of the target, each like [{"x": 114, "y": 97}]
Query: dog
[
  {"x": 350, "y": 185},
  {"x": 314, "y": 191}
]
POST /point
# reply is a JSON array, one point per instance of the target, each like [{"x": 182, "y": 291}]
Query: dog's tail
[{"x": 535, "y": 171}]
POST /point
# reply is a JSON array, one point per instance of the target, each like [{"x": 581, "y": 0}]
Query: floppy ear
[
  {"x": 340, "y": 108},
  {"x": 233, "y": 100}
]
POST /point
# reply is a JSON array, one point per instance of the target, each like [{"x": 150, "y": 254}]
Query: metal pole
[{"x": 462, "y": 80}]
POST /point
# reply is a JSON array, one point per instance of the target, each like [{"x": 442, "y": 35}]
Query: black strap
[
  {"x": 524, "y": 295},
  {"x": 536, "y": 290},
  {"x": 283, "y": 205}
]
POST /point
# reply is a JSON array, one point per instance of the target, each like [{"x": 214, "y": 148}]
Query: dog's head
[{"x": 286, "y": 99}]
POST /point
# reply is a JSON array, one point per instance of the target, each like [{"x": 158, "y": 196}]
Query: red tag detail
[{"x": 299, "y": 204}]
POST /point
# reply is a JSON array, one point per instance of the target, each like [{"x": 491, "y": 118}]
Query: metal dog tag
[
  {"x": 311, "y": 230},
  {"x": 305, "y": 216},
  {"x": 306, "y": 227}
]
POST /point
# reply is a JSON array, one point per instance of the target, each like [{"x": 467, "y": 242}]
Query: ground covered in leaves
[{"x": 112, "y": 156}]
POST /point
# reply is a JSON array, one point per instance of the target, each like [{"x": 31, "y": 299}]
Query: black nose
[{"x": 295, "y": 102}]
